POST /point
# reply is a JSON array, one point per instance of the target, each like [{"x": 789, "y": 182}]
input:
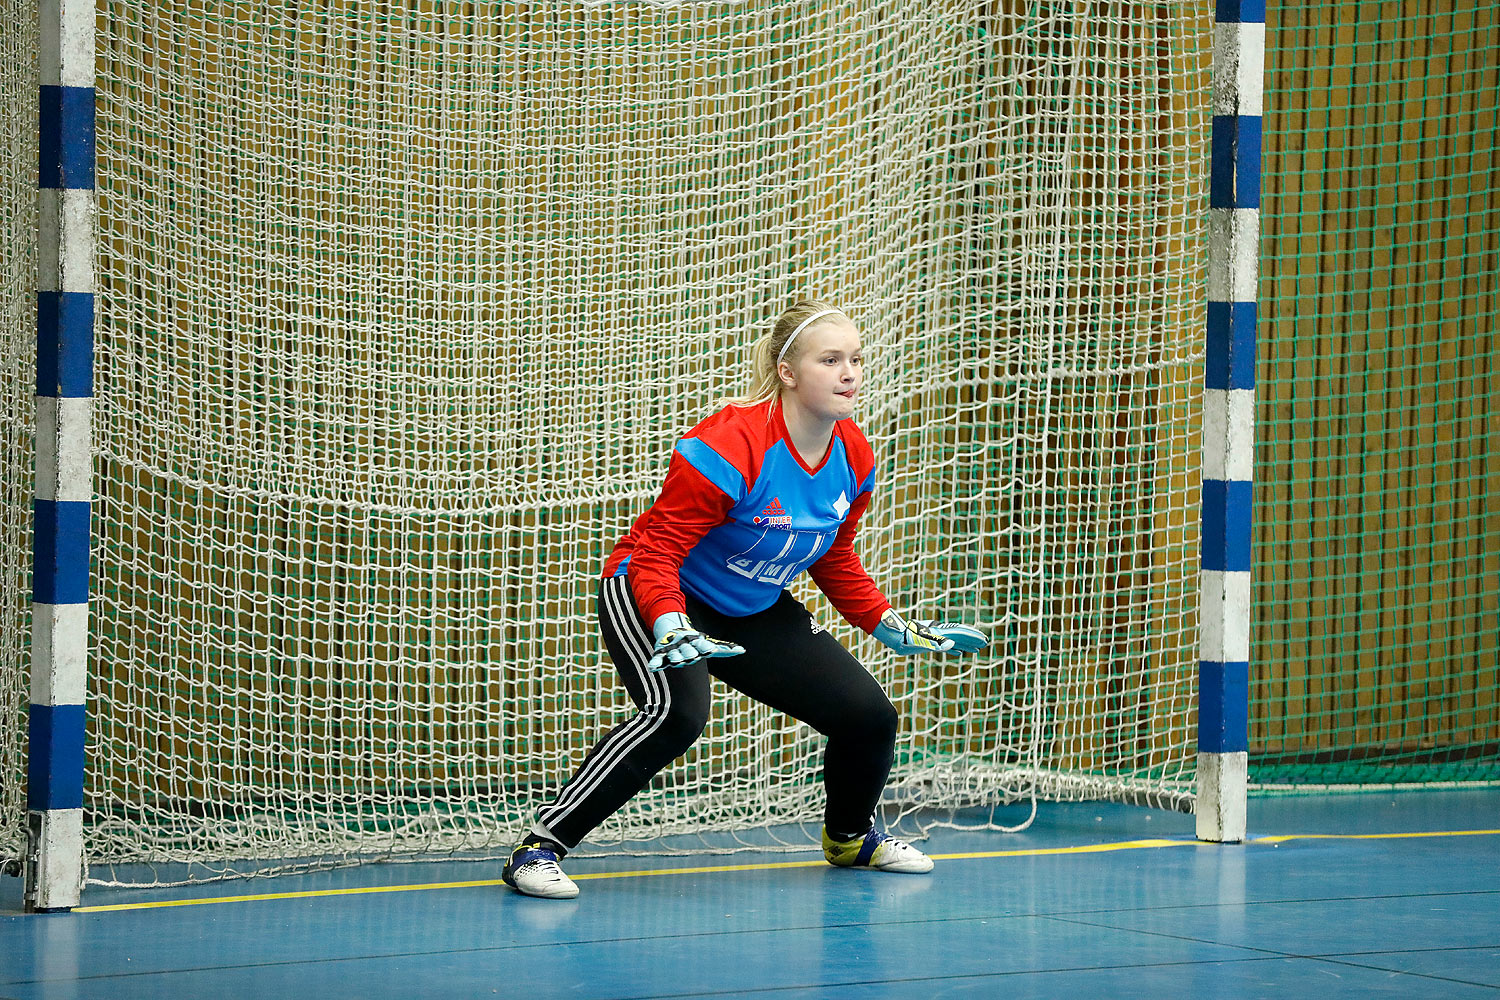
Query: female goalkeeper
[{"x": 773, "y": 484}]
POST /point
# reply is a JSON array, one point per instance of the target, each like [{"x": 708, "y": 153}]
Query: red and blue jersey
[{"x": 740, "y": 515}]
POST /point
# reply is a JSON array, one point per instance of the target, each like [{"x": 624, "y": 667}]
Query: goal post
[
  {"x": 398, "y": 316},
  {"x": 64, "y": 473},
  {"x": 1229, "y": 419}
]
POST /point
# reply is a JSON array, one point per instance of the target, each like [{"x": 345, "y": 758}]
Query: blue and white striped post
[
  {"x": 64, "y": 475},
  {"x": 1229, "y": 419}
]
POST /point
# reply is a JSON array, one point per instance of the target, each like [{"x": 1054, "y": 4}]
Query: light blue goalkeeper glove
[
  {"x": 679, "y": 644},
  {"x": 911, "y": 636}
]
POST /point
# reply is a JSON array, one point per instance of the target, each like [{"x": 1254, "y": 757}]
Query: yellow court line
[
  {"x": 1282, "y": 838},
  {"x": 1124, "y": 845}
]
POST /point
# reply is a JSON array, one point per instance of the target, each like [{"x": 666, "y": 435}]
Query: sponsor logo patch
[{"x": 774, "y": 516}]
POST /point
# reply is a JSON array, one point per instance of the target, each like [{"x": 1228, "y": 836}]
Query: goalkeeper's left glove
[{"x": 911, "y": 636}]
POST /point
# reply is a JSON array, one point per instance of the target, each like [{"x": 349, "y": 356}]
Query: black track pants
[{"x": 789, "y": 664}]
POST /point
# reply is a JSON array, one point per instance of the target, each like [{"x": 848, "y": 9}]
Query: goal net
[{"x": 401, "y": 313}]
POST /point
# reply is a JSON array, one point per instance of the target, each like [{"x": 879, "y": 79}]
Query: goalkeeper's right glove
[
  {"x": 678, "y": 643},
  {"x": 911, "y": 636}
]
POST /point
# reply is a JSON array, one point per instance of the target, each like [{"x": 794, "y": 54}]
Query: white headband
[{"x": 803, "y": 326}]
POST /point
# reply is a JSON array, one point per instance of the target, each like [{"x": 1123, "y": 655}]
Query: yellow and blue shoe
[
  {"x": 533, "y": 871},
  {"x": 875, "y": 850}
]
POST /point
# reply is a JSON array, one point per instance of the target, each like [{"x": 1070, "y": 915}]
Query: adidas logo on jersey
[{"x": 774, "y": 516}]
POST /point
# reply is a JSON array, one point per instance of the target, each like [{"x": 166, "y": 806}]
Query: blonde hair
[{"x": 766, "y": 355}]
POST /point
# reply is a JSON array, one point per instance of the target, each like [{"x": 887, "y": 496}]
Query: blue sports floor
[{"x": 1338, "y": 896}]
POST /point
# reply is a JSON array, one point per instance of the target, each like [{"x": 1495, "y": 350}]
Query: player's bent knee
[
  {"x": 873, "y": 724},
  {"x": 678, "y": 730}
]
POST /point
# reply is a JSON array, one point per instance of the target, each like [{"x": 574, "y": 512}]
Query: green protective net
[{"x": 1376, "y": 648}]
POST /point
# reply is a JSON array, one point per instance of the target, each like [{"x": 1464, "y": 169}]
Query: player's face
[{"x": 830, "y": 369}]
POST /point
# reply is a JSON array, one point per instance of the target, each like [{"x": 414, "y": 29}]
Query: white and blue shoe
[
  {"x": 533, "y": 871},
  {"x": 876, "y": 850}
]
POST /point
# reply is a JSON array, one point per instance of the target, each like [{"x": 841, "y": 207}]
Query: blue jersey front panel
[{"x": 780, "y": 525}]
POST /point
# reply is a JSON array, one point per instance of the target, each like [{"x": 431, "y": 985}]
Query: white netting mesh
[
  {"x": 402, "y": 311},
  {"x": 18, "y": 236}
]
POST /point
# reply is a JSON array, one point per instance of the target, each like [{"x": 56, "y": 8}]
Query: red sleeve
[
  {"x": 841, "y": 575},
  {"x": 688, "y": 508}
]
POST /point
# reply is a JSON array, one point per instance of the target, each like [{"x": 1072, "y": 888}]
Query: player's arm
[
  {"x": 841, "y": 576},
  {"x": 689, "y": 507}
]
